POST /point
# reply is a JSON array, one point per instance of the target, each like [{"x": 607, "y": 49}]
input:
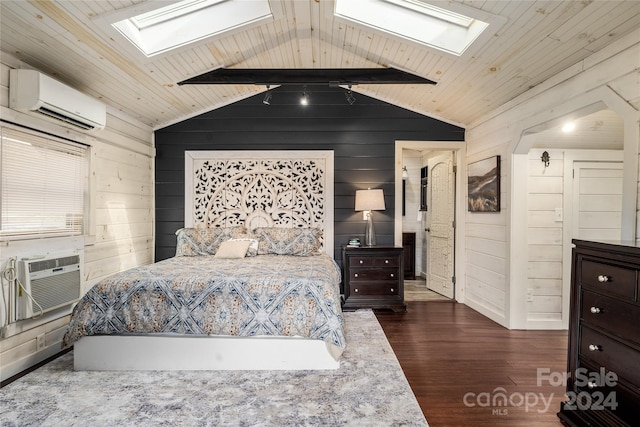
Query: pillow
[
  {"x": 204, "y": 241},
  {"x": 288, "y": 241},
  {"x": 232, "y": 249},
  {"x": 253, "y": 243}
]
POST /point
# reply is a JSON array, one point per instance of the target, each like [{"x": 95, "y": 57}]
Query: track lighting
[
  {"x": 267, "y": 97},
  {"x": 349, "y": 96},
  {"x": 304, "y": 99}
]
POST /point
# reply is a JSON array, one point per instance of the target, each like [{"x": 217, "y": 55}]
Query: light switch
[{"x": 558, "y": 215}]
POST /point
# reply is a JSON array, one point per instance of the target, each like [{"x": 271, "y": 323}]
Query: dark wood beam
[{"x": 306, "y": 76}]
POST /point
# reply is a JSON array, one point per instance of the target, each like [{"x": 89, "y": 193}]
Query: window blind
[{"x": 42, "y": 185}]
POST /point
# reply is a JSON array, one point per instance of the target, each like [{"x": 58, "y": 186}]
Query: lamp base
[{"x": 369, "y": 231}]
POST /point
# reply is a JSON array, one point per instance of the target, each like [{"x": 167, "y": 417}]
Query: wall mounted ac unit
[
  {"x": 51, "y": 282},
  {"x": 33, "y": 92}
]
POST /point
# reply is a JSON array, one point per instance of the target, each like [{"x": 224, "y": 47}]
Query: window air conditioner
[
  {"x": 33, "y": 92},
  {"x": 47, "y": 284}
]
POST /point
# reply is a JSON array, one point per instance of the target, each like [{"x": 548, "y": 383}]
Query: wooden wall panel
[{"x": 362, "y": 136}]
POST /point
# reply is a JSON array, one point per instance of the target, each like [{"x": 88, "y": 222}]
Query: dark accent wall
[{"x": 361, "y": 135}]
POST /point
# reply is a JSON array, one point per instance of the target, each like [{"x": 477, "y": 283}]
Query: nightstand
[{"x": 373, "y": 277}]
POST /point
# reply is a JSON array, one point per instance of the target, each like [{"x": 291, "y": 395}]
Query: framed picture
[{"x": 484, "y": 185}]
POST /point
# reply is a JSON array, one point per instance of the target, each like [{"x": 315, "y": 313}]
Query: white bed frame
[{"x": 171, "y": 352}]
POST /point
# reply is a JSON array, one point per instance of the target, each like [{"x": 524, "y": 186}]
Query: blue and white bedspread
[{"x": 262, "y": 295}]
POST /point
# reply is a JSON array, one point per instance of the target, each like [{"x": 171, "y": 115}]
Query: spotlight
[
  {"x": 267, "y": 97},
  {"x": 350, "y": 98},
  {"x": 304, "y": 99}
]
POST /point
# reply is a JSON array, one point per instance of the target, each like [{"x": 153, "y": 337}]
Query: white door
[
  {"x": 440, "y": 225},
  {"x": 597, "y": 200}
]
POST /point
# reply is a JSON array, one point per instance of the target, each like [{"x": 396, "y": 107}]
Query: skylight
[
  {"x": 450, "y": 30},
  {"x": 189, "y": 21}
]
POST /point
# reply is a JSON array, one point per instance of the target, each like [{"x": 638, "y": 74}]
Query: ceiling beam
[{"x": 306, "y": 76}]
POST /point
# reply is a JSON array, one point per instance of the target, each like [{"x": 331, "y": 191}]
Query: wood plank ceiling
[{"x": 539, "y": 39}]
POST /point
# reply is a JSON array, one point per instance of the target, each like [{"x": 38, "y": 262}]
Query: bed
[{"x": 253, "y": 284}]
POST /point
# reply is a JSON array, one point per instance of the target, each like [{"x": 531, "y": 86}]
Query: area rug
[{"x": 369, "y": 389}]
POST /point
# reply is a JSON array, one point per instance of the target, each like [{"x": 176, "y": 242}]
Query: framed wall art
[{"x": 484, "y": 185}]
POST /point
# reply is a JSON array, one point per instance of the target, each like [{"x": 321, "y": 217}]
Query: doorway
[{"x": 436, "y": 249}]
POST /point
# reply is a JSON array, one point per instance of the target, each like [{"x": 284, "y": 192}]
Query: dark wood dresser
[
  {"x": 409, "y": 245},
  {"x": 373, "y": 277},
  {"x": 603, "y": 387}
]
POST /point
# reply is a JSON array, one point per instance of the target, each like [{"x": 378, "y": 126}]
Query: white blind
[{"x": 42, "y": 185}]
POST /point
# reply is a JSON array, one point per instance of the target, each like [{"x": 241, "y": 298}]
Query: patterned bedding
[{"x": 253, "y": 296}]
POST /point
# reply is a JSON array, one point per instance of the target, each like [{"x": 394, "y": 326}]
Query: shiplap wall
[
  {"x": 496, "y": 286},
  {"x": 412, "y": 159},
  {"x": 545, "y": 236},
  {"x": 121, "y": 215},
  {"x": 362, "y": 136}
]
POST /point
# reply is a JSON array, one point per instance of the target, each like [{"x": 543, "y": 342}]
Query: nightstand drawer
[
  {"x": 358, "y": 290},
  {"x": 622, "y": 319},
  {"x": 366, "y": 275},
  {"x": 610, "y": 279},
  {"x": 610, "y": 354},
  {"x": 374, "y": 262}
]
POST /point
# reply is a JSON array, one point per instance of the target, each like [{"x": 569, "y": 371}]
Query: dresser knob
[
  {"x": 602, "y": 278},
  {"x": 391, "y": 289},
  {"x": 594, "y": 347},
  {"x": 355, "y": 290},
  {"x": 392, "y": 275},
  {"x": 355, "y": 275},
  {"x": 595, "y": 310},
  {"x": 361, "y": 261},
  {"x": 386, "y": 261}
]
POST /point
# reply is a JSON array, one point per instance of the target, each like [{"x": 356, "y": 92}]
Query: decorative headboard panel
[{"x": 260, "y": 189}]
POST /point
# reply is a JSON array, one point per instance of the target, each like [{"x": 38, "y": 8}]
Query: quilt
[{"x": 253, "y": 296}]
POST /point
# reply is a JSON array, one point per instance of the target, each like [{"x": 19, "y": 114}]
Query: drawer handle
[
  {"x": 594, "y": 347},
  {"x": 603, "y": 279},
  {"x": 386, "y": 261},
  {"x": 391, "y": 289},
  {"x": 595, "y": 310},
  {"x": 355, "y": 275},
  {"x": 361, "y": 262},
  {"x": 592, "y": 384},
  {"x": 392, "y": 275},
  {"x": 355, "y": 290}
]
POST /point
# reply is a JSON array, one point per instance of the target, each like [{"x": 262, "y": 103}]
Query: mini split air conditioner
[{"x": 33, "y": 92}]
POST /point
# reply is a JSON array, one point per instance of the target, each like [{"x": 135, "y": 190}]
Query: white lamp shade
[{"x": 370, "y": 200}]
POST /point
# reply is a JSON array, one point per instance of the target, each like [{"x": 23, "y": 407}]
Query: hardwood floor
[{"x": 459, "y": 364}]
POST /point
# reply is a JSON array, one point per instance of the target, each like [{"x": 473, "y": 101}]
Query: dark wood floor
[{"x": 458, "y": 362}]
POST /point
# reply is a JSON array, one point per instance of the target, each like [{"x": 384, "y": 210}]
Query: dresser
[
  {"x": 373, "y": 277},
  {"x": 409, "y": 245},
  {"x": 604, "y": 336}
]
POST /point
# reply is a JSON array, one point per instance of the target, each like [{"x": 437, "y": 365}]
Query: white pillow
[{"x": 232, "y": 249}]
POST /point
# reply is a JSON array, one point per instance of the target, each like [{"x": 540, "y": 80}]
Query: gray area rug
[{"x": 369, "y": 389}]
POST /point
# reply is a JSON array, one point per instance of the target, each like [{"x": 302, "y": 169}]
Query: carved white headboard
[{"x": 260, "y": 189}]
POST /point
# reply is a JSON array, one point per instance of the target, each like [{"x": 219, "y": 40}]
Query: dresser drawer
[
  {"x": 364, "y": 289},
  {"x": 622, "y": 319},
  {"x": 370, "y": 274},
  {"x": 610, "y": 279},
  {"x": 610, "y": 354}
]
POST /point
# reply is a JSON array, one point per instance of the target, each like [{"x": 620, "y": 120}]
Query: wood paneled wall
[{"x": 362, "y": 136}]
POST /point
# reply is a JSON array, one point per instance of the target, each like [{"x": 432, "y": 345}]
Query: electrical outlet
[
  {"x": 40, "y": 342},
  {"x": 529, "y": 295}
]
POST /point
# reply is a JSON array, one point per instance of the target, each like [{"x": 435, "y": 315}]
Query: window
[
  {"x": 179, "y": 24},
  {"x": 451, "y": 28},
  {"x": 42, "y": 185}
]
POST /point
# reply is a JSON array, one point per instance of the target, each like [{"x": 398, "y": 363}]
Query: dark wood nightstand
[{"x": 373, "y": 277}]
